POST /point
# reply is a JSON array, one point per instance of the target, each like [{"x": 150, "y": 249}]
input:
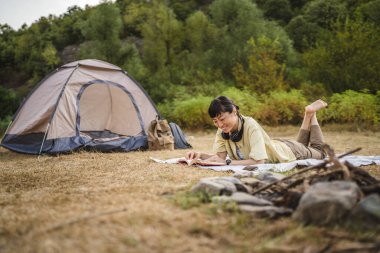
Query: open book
[{"x": 199, "y": 162}]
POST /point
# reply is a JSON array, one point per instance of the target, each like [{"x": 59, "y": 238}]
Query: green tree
[
  {"x": 160, "y": 47},
  {"x": 263, "y": 73},
  {"x": 325, "y": 12},
  {"x": 239, "y": 21},
  {"x": 347, "y": 58},
  {"x": 132, "y": 62},
  {"x": 102, "y": 30},
  {"x": 66, "y": 29},
  {"x": 8, "y": 102},
  {"x": 7, "y": 57},
  {"x": 29, "y": 46},
  {"x": 199, "y": 38},
  {"x": 6, "y": 41},
  {"x": 200, "y": 32},
  {"x": 135, "y": 15},
  {"x": 297, "y": 4},
  {"x": 183, "y": 9},
  {"x": 163, "y": 37},
  {"x": 303, "y": 33},
  {"x": 50, "y": 55},
  {"x": 370, "y": 11},
  {"x": 279, "y": 10}
]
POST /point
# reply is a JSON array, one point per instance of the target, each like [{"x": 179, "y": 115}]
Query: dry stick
[
  {"x": 79, "y": 219},
  {"x": 300, "y": 180},
  {"x": 364, "y": 175},
  {"x": 304, "y": 170},
  {"x": 327, "y": 173}
]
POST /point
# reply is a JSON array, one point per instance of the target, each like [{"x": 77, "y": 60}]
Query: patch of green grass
[
  {"x": 215, "y": 209},
  {"x": 187, "y": 200}
]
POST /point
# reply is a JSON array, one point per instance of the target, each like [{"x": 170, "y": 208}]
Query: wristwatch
[{"x": 228, "y": 161}]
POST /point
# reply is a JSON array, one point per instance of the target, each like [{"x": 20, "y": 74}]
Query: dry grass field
[{"x": 122, "y": 202}]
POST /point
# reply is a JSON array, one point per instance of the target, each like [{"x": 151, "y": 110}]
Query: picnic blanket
[{"x": 279, "y": 167}]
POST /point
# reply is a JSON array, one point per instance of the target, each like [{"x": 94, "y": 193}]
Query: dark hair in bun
[{"x": 221, "y": 104}]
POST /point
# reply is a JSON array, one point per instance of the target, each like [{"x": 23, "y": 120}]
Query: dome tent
[{"x": 87, "y": 103}]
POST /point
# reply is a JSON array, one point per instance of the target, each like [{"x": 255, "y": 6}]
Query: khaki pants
[{"x": 309, "y": 144}]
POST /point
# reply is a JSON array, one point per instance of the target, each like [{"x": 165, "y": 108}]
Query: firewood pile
[
  {"x": 287, "y": 191},
  {"x": 329, "y": 193}
]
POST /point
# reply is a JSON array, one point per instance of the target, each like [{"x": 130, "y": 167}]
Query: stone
[
  {"x": 367, "y": 212},
  {"x": 242, "y": 198},
  {"x": 238, "y": 184},
  {"x": 247, "y": 199},
  {"x": 210, "y": 187},
  {"x": 215, "y": 186},
  {"x": 242, "y": 174},
  {"x": 327, "y": 203},
  {"x": 251, "y": 181},
  {"x": 228, "y": 187},
  {"x": 269, "y": 177},
  {"x": 220, "y": 186},
  {"x": 228, "y": 179},
  {"x": 266, "y": 211}
]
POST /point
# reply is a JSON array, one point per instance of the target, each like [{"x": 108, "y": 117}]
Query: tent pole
[
  {"x": 55, "y": 108},
  {"x": 43, "y": 140},
  {"x": 8, "y": 126}
]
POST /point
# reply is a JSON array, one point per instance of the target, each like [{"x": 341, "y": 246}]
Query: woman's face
[{"x": 227, "y": 121}]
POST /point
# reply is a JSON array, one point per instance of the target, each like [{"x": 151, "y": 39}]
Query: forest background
[{"x": 271, "y": 57}]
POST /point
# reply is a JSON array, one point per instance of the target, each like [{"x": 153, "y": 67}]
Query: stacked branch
[{"x": 287, "y": 191}]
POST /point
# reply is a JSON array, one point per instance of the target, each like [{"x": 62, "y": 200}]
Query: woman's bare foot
[{"x": 315, "y": 106}]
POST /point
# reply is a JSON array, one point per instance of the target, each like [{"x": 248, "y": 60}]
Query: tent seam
[{"x": 56, "y": 106}]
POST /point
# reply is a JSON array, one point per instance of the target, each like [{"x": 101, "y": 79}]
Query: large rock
[
  {"x": 210, "y": 187},
  {"x": 367, "y": 212},
  {"x": 327, "y": 203},
  {"x": 242, "y": 198}
]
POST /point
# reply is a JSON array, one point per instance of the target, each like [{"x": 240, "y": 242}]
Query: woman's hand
[
  {"x": 215, "y": 158},
  {"x": 193, "y": 155}
]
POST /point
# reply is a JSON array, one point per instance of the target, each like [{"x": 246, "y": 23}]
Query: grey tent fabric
[{"x": 84, "y": 104}]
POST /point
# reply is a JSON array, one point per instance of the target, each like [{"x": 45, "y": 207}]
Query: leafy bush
[
  {"x": 189, "y": 113},
  {"x": 247, "y": 101},
  {"x": 314, "y": 91},
  {"x": 192, "y": 112},
  {"x": 277, "y": 107},
  {"x": 212, "y": 89},
  {"x": 351, "y": 106},
  {"x": 281, "y": 107}
]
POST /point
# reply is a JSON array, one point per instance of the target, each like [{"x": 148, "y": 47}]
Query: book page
[{"x": 199, "y": 162}]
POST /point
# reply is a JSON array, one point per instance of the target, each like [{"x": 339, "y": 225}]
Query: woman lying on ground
[{"x": 241, "y": 140}]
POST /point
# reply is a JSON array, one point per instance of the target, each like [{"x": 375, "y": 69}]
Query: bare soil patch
[{"x": 122, "y": 202}]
